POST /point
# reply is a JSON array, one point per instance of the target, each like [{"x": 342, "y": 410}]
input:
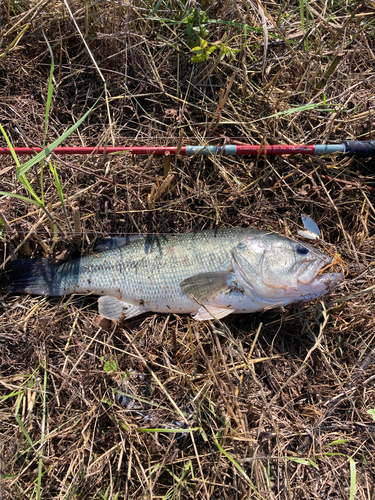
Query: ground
[{"x": 273, "y": 405}]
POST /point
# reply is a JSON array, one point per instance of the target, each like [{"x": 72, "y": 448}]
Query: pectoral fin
[
  {"x": 212, "y": 312},
  {"x": 112, "y": 308},
  {"x": 204, "y": 286}
]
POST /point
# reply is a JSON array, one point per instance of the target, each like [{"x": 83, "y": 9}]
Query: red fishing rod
[{"x": 360, "y": 149}]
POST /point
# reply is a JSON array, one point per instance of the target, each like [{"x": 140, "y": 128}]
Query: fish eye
[{"x": 302, "y": 250}]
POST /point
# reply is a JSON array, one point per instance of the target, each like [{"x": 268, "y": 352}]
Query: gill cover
[{"x": 274, "y": 266}]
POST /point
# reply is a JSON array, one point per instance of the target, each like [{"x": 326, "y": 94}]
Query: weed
[
  {"x": 196, "y": 27},
  {"x": 109, "y": 366}
]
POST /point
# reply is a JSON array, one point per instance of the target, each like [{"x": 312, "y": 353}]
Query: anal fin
[
  {"x": 212, "y": 312},
  {"x": 111, "y": 308}
]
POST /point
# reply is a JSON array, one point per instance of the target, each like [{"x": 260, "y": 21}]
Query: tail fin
[{"x": 34, "y": 276}]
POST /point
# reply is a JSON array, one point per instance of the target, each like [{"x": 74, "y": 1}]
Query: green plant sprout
[
  {"x": 109, "y": 366},
  {"x": 196, "y": 29}
]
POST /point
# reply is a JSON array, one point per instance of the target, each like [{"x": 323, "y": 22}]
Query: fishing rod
[{"x": 359, "y": 149}]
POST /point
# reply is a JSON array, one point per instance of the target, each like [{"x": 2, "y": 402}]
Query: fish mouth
[
  {"x": 320, "y": 283},
  {"x": 310, "y": 270}
]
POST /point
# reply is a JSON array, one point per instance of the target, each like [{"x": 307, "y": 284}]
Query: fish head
[{"x": 274, "y": 267}]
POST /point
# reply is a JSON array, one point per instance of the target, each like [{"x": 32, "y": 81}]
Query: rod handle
[{"x": 360, "y": 149}]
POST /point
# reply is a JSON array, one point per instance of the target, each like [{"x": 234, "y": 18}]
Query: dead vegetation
[{"x": 272, "y": 405}]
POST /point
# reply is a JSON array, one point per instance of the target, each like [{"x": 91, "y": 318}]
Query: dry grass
[{"x": 275, "y": 403}]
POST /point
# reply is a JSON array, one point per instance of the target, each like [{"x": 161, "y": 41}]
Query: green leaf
[
  {"x": 57, "y": 182},
  {"x": 11, "y": 395},
  {"x": 372, "y": 413},
  {"x": 124, "y": 426},
  {"x": 210, "y": 50},
  {"x": 50, "y": 90},
  {"x": 23, "y": 198},
  {"x": 110, "y": 366},
  {"x": 22, "y": 179},
  {"x": 20, "y": 423},
  {"x": 204, "y": 32},
  {"x": 156, "y": 8},
  {"x": 166, "y": 430},
  {"x": 303, "y": 461},
  {"x": 236, "y": 465},
  {"x": 13, "y": 153},
  {"x": 202, "y": 51},
  {"x": 199, "y": 57},
  {"x": 353, "y": 477},
  {"x": 42, "y": 438},
  {"x": 203, "y": 434},
  {"x": 48, "y": 150},
  {"x": 46, "y": 116},
  {"x": 297, "y": 109},
  {"x": 202, "y": 45},
  {"x": 338, "y": 441}
]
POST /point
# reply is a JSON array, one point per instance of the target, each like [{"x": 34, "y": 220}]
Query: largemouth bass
[{"x": 210, "y": 274}]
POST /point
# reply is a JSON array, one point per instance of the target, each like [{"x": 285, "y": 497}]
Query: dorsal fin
[{"x": 106, "y": 244}]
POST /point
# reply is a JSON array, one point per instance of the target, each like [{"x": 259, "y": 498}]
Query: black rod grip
[{"x": 360, "y": 149}]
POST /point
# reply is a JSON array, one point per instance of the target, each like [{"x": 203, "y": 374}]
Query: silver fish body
[{"x": 209, "y": 273}]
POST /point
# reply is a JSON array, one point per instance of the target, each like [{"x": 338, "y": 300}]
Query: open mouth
[{"x": 310, "y": 270}]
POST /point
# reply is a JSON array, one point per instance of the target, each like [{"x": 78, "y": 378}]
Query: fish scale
[
  {"x": 150, "y": 269},
  {"x": 211, "y": 273}
]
